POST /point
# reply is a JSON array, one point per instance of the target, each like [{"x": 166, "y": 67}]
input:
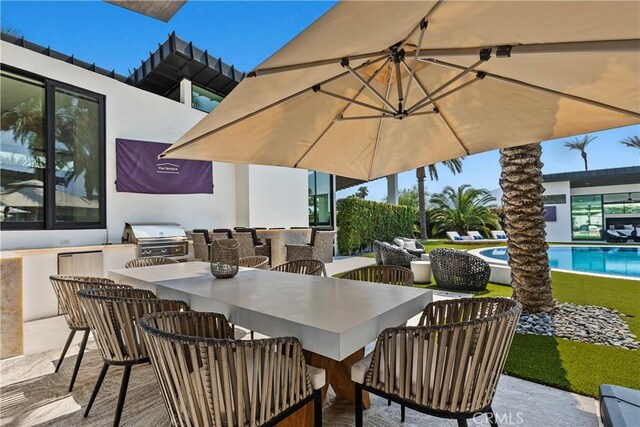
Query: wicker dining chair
[
  {"x": 206, "y": 378},
  {"x": 459, "y": 270},
  {"x": 389, "y": 274},
  {"x": 448, "y": 366},
  {"x": 113, "y": 315},
  {"x": 258, "y": 261},
  {"x": 149, "y": 261},
  {"x": 311, "y": 267},
  {"x": 65, "y": 288},
  {"x": 320, "y": 247}
]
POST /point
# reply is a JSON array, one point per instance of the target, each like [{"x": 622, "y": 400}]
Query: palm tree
[
  {"x": 463, "y": 209},
  {"x": 454, "y": 165},
  {"x": 523, "y": 209},
  {"x": 632, "y": 142},
  {"x": 580, "y": 144},
  {"x": 362, "y": 192}
]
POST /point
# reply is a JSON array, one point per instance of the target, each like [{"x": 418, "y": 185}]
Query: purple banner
[
  {"x": 138, "y": 170},
  {"x": 550, "y": 213}
]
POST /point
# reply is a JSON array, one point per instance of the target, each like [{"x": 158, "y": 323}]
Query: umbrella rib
[
  {"x": 441, "y": 115},
  {"x": 267, "y": 107},
  {"x": 367, "y": 85},
  {"x": 425, "y": 101},
  {"x": 542, "y": 89},
  {"x": 412, "y": 71},
  {"x": 417, "y": 27},
  {"x": 352, "y": 101},
  {"x": 373, "y": 76},
  {"x": 375, "y": 147},
  {"x": 479, "y": 77},
  {"x": 304, "y": 65}
]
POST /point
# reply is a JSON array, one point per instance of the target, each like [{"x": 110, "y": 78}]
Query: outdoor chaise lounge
[
  {"x": 407, "y": 365},
  {"x": 499, "y": 234},
  {"x": 456, "y": 238},
  {"x": 458, "y": 270},
  {"x": 413, "y": 246},
  {"x": 612, "y": 236},
  {"x": 477, "y": 237}
]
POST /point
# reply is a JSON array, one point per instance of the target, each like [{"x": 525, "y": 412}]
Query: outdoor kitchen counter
[
  {"x": 62, "y": 249},
  {"x": 279, "y": 238}
]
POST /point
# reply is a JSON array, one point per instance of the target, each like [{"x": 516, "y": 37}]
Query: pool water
[{"x": 613, "y": 260}]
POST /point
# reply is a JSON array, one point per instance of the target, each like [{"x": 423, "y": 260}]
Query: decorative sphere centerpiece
[{"x": 224, "y": 258}]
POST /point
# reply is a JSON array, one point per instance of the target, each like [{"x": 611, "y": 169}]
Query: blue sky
[{"x": 244, "y": 34}]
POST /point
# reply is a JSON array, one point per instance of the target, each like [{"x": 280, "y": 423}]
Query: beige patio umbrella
[{"x": 375, "y": 88}]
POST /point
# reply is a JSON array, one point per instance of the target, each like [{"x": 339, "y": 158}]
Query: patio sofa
[
  {"x": 612, "y": 236},
  {"x": 413, "y": 246}
]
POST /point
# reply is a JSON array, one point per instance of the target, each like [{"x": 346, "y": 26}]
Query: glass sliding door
[
  {"x": 320, "y": 188},
  {"x": 22, "y": 152},
  {"x": 586, "y": 217},
  {"x": 78, "y": 147}
]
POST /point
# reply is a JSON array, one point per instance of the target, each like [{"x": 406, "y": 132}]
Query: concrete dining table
[{"x": 334, "y": 319}]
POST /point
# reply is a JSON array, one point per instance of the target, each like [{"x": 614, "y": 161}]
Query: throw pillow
[
  {"x": 502, "y": 236},
  {"x": 410, "y": 245},
  {"x": 476, "y": 237},
  {"x": 457, "y": 238}
]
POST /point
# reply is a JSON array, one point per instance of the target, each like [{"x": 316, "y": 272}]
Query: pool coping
[{"x": 494, "y": 261}]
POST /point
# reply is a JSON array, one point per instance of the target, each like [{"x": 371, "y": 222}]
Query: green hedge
[{"x": 360, "y": 222}]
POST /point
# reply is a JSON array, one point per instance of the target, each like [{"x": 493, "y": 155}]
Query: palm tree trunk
[
  {"x": 584, "y": 157},
  {"x": 422, "y": 207},
  {"x": 523, "y": 207}
]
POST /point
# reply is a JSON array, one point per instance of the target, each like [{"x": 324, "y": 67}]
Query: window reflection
[
  {"x": 320, "y": 206},
  {"x": 586, "y": 217},
  {"x": 203, "y": 99},
  {"x": 22, "y": 149}
]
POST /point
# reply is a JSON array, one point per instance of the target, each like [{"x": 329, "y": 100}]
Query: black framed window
[{"x": 52, "y": 154}]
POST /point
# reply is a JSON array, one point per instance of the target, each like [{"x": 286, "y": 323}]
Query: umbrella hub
[{"x": 401, "y": 115}]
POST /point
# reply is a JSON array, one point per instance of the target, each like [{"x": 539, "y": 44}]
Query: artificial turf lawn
[{"x": 570, "y": 365}]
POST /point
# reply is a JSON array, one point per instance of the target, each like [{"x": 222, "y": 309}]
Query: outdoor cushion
[
  {"x": 501, "y": 236},
  {"x": 477, "y": 237},
  {"x": 628, "y": 227},
  {"x": 399, "y": 243},
  {"x": 619, "y": 406},
  {"x": 457, "y": 238},
  {"x": 409, "y": 245}
]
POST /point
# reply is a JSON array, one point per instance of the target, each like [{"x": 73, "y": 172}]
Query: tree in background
[
  {"x": 454, "y": 165},
  {"x": 409, "y": 197},
  {"x": 362, "y": 192},
  {"x": 463, "y": 209},
  {"x": 580, "y": 144},
  {"x": 523, "y": 208},
  {"x": 631, "y": 142}
]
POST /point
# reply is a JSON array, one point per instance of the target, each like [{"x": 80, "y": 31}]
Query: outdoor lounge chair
[
  {"x": 448, "y": 366},
  {"x": 456, "y": 238},
  {"x": 394, "y": 255},
  {"x": 459, "y": 271},
  {"x": 413, "y": 246},
  {"x": 113, "y": 314},
  {"x": 66, "y": 288},
  {"x": 320, "y": 247},
  {"x": 477, "y": 237},
  {"x": 257, "y": 382},
  {"x": 612, "y": 236},
  {"x": 499, "y": 235}
]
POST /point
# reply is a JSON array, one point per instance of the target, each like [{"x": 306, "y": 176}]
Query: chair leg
[
  {"x": 462, "y": 422},
  {"x": 96, "y": 388},
  {"x": 401, "y": 413},
  {"x": 492, "y": 418},
  {"x": 317, "y": 408},
  {"x": 251, "y": 334},
  {"x": 123, "y": 395},
  {"x": 72, "y": 333},
  {"x": 358, "y": 398},
  {"x": 83, "y": 345},
  {"x": 388, "y": 402}
]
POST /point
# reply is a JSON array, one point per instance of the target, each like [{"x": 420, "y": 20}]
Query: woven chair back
[
  {"x": 113, "y": 314},
  {"x": 459, "y": 270},
  {"x": 389, "y": 274},
  {"x": 452, "y": 361},
  {"x": 258, "y": 261},
  {"x": 149, "y": 261},
  {"x": 66, "y": 288},
  {"x": 311, "y": 267},
  {"x": 207, "y": 380}
]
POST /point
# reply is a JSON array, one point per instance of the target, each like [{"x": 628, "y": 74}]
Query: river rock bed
[{"x": 587, "y": 323}]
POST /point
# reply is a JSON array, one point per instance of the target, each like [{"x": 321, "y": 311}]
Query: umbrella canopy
[{"x": 375, "y": 88}]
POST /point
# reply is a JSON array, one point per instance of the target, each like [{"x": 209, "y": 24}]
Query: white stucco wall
[
  {"x": 136, "y": 114},
  {"x": 559, "y": 230}
]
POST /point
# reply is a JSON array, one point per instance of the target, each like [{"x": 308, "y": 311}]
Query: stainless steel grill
[{"x": 157, "y": 238}]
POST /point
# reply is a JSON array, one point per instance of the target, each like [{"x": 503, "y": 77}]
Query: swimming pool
[{"x": 614, "y": 260}]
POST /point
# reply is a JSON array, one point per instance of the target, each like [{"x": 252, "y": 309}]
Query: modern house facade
[
  {"x": 580, "y": 204},
  {"x": 169, "y": 93}
]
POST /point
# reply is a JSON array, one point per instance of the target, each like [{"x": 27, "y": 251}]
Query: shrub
[{"x": 360, "y": 222}]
